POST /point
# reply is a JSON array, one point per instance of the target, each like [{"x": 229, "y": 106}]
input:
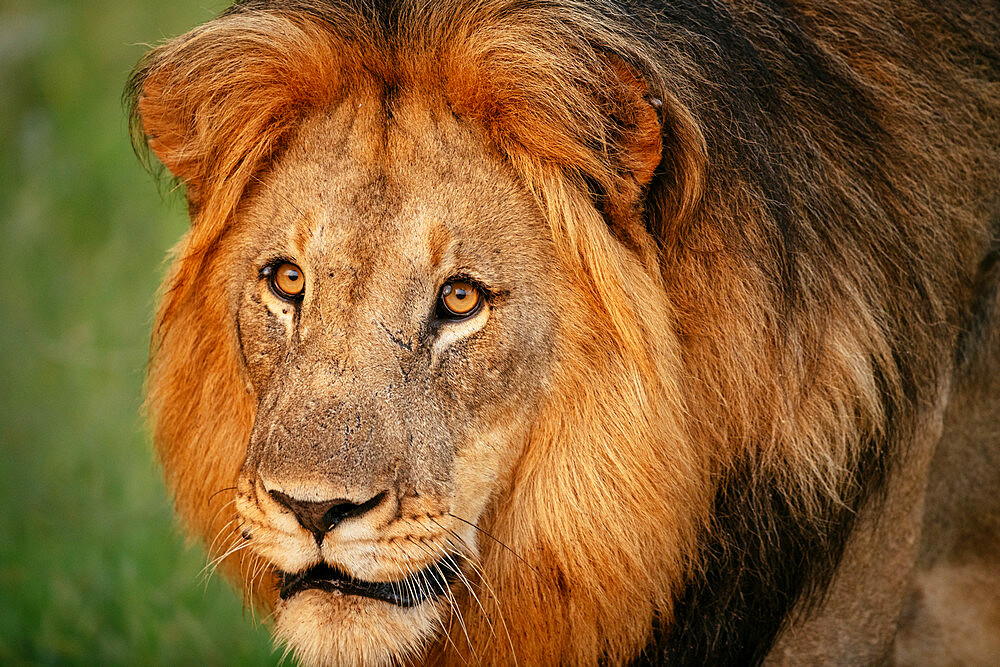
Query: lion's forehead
[{"x": 376, "y": 207}]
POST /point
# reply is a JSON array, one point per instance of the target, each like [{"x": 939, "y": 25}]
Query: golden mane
[{"x": 767, "y": 344}]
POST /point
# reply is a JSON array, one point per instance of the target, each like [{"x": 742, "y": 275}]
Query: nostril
[
  {"x": 340, "y": 511},
  {"x": 321, "y": 517}
]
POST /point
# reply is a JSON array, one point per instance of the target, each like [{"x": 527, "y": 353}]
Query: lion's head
[
  {"x": 462, "y": 358},
  {"x": 413, "y": 343}
]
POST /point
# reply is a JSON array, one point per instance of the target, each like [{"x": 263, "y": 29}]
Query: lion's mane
[{"x": 801, "y": 300}]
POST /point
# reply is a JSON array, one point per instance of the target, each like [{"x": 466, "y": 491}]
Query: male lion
[{"x": 589, "y": 333}]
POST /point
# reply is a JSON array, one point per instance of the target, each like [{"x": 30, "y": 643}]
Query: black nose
[{"x": 321, "y": 517}]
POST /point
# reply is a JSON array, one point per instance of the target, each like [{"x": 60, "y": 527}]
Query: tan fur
[{"x": 671, "y": 355}]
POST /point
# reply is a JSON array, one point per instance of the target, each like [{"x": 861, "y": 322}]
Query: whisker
[
  {"x": 248, "y": 593},
  {"x": 218, "y": 561},
  {"x": 228, "y": 542},
  {"x": 411, "y": 582},
  {"x": 487, "y": 534},
  {"x": 228, "y": 488},
  {"x": 496, "y": 603},
  {"x": 477, "y": 567},
  {"x": 220, "y": 532},
  {"x": 465, "y": 581},
  {"x": 259, "y": 566},
  {"x": 426, "y": 586},
  {"x": 406, "y": 580},
  {"x": 243, "y": 559},
  {"x": 450, "y": 597},
  {"x": 221, "y": 509},
  {"x": 447, "y": 636}
]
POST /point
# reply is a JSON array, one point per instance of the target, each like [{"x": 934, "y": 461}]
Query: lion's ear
[
  {"x": 214, "y": 104},
  {"x": 635, "y": 111},
  {"x": 167, "y": 125},
  {"x": 659, "y": 153}
]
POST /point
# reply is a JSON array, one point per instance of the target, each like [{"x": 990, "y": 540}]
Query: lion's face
[
  {"x": 387, "y": 416},
  {"x": 439, "y": 317}
]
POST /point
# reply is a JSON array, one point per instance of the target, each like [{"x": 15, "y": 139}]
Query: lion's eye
[
  {"x": 287, "y": 280},
  {"x": 459, "y": 299}
]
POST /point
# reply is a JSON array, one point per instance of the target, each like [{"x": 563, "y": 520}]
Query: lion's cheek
[
  {"x": 263, "y": 335},
  {"x": 328, "y": 628},
  {"x": 482, "y": 468}
]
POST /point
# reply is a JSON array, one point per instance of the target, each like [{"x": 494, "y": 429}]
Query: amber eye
[
  {"x": 459, "y": 299},
  {"x": 287, "y": 280}
]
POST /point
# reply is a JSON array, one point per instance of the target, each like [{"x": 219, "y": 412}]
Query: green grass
[{"x": 93, "y": 569}]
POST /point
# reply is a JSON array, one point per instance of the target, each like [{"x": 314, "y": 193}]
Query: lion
[{"x": 546, "y": 332}]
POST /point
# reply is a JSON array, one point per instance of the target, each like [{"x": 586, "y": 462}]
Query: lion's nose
[{"x": 321, "y": 517}]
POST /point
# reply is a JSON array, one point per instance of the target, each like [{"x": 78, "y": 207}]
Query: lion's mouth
[{"x": 426, "y": 584}]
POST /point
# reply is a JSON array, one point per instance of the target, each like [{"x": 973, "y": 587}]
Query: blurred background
[{"x": 93, "y": 568}]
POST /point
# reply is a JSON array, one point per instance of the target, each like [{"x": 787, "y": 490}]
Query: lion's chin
[{"x": 331, "y": 628}]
